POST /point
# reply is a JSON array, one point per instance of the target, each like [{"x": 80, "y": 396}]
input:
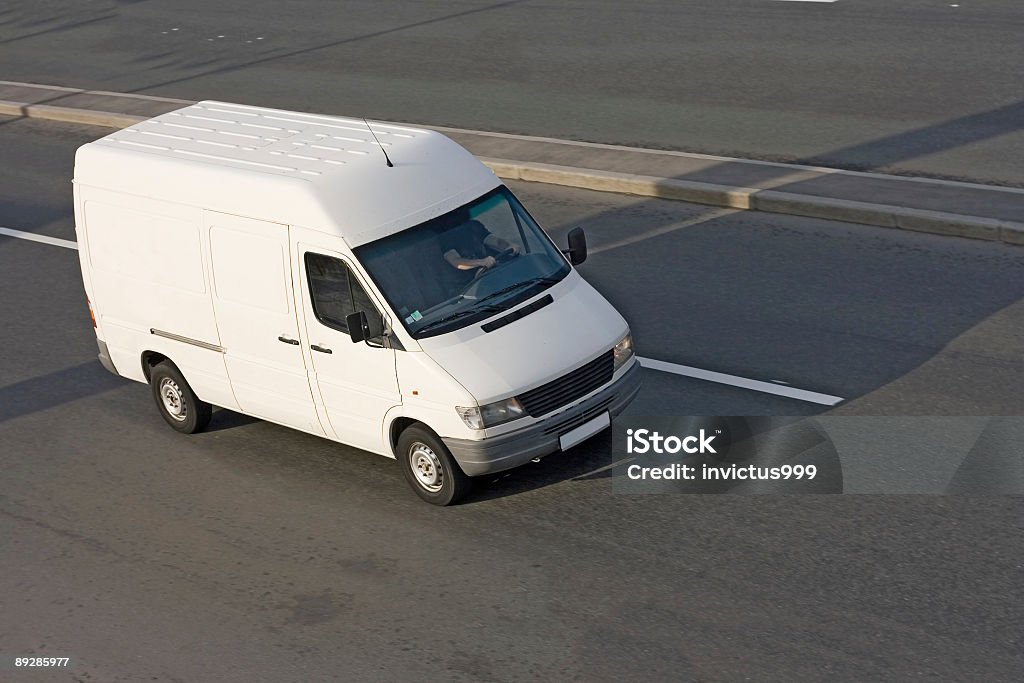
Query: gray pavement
[
  {"x": 253, "y": 552},
  {"x": 917, "y": 86},
  {"x": 918, "y": 204}
]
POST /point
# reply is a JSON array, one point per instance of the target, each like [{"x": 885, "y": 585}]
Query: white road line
[
  {"x": 741, "y": 382},
  {"x": 685, "y": 370},
  {"x": 705, "y": 217},
  {"x": 67, "y": 244}
]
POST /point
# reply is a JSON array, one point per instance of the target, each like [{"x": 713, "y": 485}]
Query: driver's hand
[
  {"x": 515, "y": 249},
  {"x": 487, "y": 262}
]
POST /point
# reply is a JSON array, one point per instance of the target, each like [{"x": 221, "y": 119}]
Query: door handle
[
  {"x": 321, "y": 349},
  {"x": 288, "y": 340}
]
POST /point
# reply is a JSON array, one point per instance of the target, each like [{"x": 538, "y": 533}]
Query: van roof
[{"x": 322, "y": 172}]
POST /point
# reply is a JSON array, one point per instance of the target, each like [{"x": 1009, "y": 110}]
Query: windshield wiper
[
  {"x": 492, "y": 308},
  {"x": 457, "y": 315},
  {"x": 518, "y": 285}
]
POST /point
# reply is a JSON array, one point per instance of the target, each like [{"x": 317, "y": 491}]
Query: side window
[
  {"x": 361, "y": 302},
  {"x": 335, "y": 293}
]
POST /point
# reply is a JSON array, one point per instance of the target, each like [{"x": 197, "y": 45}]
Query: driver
[{"x": 466, "y": 246}]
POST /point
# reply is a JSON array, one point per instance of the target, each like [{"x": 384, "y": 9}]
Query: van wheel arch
[
  {"x": 399, "y": 425},
  {"x": 150, "y": 359}
]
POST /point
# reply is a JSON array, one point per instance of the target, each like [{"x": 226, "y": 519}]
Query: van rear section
[{"x": 146, "y": 279}]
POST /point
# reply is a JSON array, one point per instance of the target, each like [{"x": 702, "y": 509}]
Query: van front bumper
[{"x": 516, "y": 448}]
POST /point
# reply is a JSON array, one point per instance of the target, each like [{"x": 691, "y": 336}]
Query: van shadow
[
  {"x": 82, "y": 381},
  {"x": 30, "y": 217},
  {"x": 224, "y": 419},
  {"x": 56, "y": 388}
]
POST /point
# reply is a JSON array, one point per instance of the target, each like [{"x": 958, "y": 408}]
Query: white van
[{"x": 374, "y": 285}]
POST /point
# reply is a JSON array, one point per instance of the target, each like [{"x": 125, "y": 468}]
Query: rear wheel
[
  {"x": 176, "y": 401},
  {"x": 429, "y": 467}
]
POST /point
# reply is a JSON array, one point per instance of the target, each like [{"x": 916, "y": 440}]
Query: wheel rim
[
  {"x": 171, "y": 397},
  {"x": 426, "y": 467}
]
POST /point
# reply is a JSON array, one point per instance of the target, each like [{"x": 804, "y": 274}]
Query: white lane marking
[
  {"x": 54, "y": 241},
  {"x": 685, "y": 370},
  {"x": 705, "y": 217},
  {"x": 741, "y": 382}
]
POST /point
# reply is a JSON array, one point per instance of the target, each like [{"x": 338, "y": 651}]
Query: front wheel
[
  {"x": 429, "y": 467},
  {"x": 177, "y": 403}
]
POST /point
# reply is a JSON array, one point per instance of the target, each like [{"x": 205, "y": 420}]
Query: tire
[
  {"x": 176, "y": 401},
  {"x": 429, "y": 467}
]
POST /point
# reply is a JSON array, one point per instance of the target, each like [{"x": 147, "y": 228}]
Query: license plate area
[{"x": 584, "y": 431}]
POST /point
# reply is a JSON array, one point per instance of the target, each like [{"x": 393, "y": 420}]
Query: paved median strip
[
  {"x": 767, "y": 196},
  {"x": 650, "y": 363}
]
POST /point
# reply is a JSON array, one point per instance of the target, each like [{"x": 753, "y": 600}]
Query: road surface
[
  {"x": 253, "y": 552},
  {"x": 917, "y": 86}
]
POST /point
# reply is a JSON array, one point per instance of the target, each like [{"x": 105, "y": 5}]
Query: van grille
[
  {"x": 568, "y": 388},
  {"x": 574, "y": 421}
]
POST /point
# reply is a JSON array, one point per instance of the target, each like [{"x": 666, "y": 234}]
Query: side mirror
[
  {"x": 358, "y": 326},
  {"x": 577, "y": 246}
]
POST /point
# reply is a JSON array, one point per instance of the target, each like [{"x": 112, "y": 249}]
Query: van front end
[
  {"x": 559, "y": 428},
  {"x": 542, "y": 358},
  {"x": 542, "y": 383}
]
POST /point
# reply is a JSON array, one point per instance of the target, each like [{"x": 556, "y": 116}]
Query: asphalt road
[
  {"x": 253, "y": 552},
  {"x": 919, "y": 86}
]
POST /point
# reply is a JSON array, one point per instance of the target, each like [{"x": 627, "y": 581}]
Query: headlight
[
  {"x": 491, "y": 414},
  {"x": 623, "y": 351}
]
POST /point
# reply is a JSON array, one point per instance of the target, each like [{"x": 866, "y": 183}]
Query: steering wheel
[
  {"x": 505, "y": 255},
  {"x": 502, "y": 257}
]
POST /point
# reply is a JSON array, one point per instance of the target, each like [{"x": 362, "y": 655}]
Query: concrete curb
[
  {"x": 769, "y": 201},
  {"x": 744, "y": 198},
  {"x": 89, "y": 117},
  {"x": 623, "y": 183}
]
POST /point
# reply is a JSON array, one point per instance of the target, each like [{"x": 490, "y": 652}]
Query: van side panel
[
  {"x": 256, "y": 317},
  {"x": 147, "y": 271}
]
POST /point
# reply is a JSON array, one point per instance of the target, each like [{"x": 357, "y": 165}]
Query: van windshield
[{"x": 464, "y": 266}]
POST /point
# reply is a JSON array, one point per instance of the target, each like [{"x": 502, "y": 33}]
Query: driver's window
[{"x": 335, "y": 293}]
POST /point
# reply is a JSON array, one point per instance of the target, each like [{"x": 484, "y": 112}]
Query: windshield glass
[{"x": 464, "y": 266}]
